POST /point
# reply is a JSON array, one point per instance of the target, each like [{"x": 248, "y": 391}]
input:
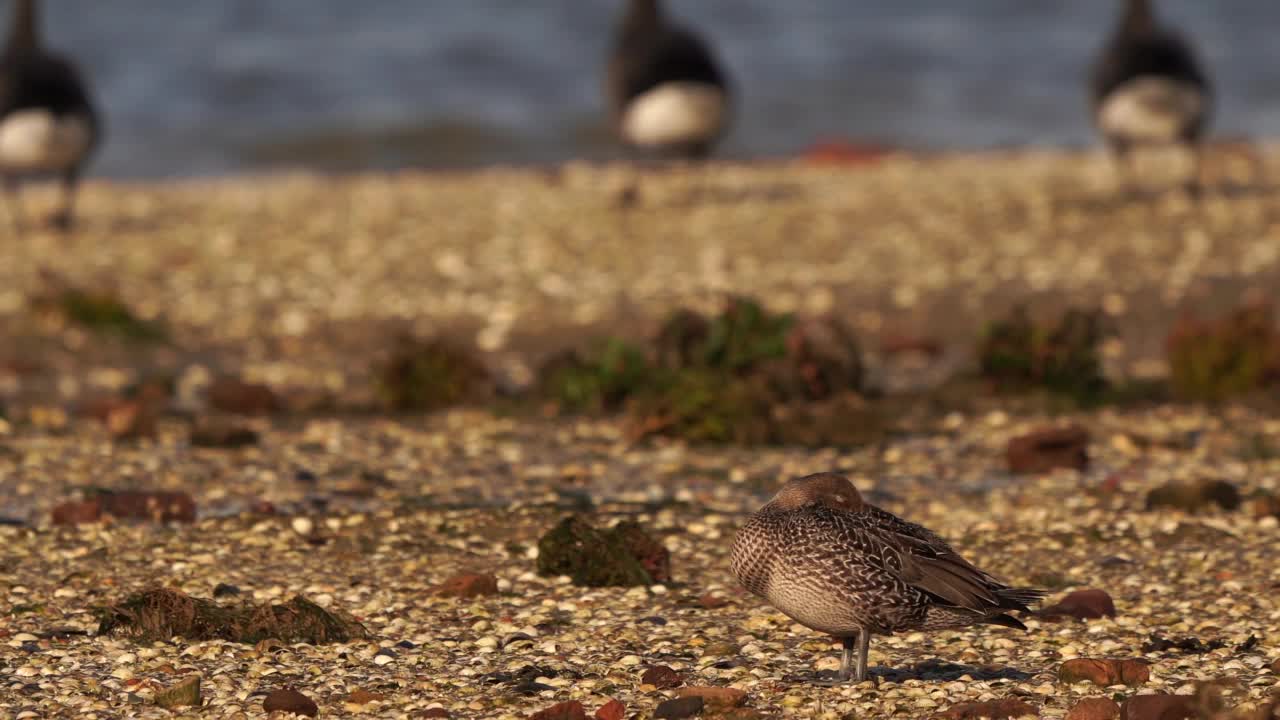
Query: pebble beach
[{"x": 299, "y": 282}]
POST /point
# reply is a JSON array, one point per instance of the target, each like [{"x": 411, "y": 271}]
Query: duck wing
[{"x": 923, "y": 560}]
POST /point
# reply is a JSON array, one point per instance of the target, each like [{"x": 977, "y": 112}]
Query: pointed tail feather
[
  {"x": 1019, "y": 598},
  {"x": 1004, "y": 621}
]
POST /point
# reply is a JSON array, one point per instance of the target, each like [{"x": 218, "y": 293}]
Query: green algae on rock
[
  {"x": 426, "y": 375},
  {"x": 624, "y": 555},
  {"x": 1215, "y": 361}
]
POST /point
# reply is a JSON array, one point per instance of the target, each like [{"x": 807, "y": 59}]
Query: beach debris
[
  {"x": 1048, "y": 449},
  {"x": 427, "y": 375},
  {"x": 1212, "y": 361},
  {"x": 468, "y": 585},
  {"x": 163, "y": 613},
  {"x": 184, "y": 694},
  {"x": 1004, "y": 709},
  {"x": 149, "y": 505},
  {"x": 1195, "y": 496},
  {"x": 1099, "y": 708}
]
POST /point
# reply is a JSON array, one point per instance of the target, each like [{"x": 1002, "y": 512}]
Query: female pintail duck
[{"x": 840, "y": 566}]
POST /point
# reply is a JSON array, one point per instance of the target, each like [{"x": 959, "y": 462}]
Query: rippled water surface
[{"x": 217, "y": 86}]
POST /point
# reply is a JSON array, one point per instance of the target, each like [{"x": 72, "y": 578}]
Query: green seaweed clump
[
  {"x": 427, "y": 375},
  {"x": 1018, "y": 355},
  {"x": 102, "y": 312},
  {"x": 600, "y": 381},
  {"x": 703, "y": 406},
  {"x": 743, "y": 337},
  {"x": 1215, "y": 361},
  {"x": 159, "y": 614},
  {"x": 622, "y": 556}
]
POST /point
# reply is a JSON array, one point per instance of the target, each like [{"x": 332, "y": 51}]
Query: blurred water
[{"x": 216, "y": 86}]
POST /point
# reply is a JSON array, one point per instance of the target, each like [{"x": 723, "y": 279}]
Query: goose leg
[
  {"x": 13, "y": 205},
  {"x": 1122, "y": 160},
  {"x": 65, "y": 215},
  {"x": 1195, "y": 184}
]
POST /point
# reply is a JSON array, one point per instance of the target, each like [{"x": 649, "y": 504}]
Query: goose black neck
[
  {"x": 24, "y": 27},
  {"x": 1139, "y": 16},
  {"x": 642, "y": 16}
]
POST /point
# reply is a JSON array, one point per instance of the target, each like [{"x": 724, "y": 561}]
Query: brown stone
[
  {"x": 1082, "y": 605},
  {"x": 468, "y": 585},
  {"x": 360, "y": 696},
  {"x": 433, "y": 713},
  {"x": 158, "y": 506},
  {"x": 661, "y": 677},
  {"x": 1195, "y": 496},
  {"x": 290, "y": 701},
  {"x": 712, "y": 602},
  {"x": 1098, "y": 708},
  {"x": 571, "y": 710},
  {"x": 235, "y": 396},
  {"x": 715, "y": 698},
  {"x": 77, "y": 512},
  {"x": 1048, "y": 449},
  {"x": 678, "y": 708},
  {"x": 993, "y": 709},
  {"x": 184, "y": 694},
  {"x": 1104, "y": 673},
  {"x": 130, "y": 420},
  {"x": 612, "y": 710},
  {"x": 1158, "y": 707},
  {"x": 214, "y": 432}
]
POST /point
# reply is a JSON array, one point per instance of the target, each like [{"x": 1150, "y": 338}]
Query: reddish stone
[
  {"x": 661, "y": 677},
  {"x": 612, "y": 710},
  {"x": 360, "y": 696},
  {"x": 290, "y": 701},
  {"x": 158, "y": 506},
  {"x": 1048, "y": 449},
  {"x": 77, "y": 512},
  {"x": 844, "y": 153},
  {"x": 572, "y": 710},
  {"x": 1158, "y": 707},
  {"x": 124, "y": 419},
  {"x": 895, "y": 344},
  {"x": 1099, "y": 708},
  {"x": 433, "y": 713},
  {"x": 235, "y": 396},
  {"x": 1082, "y": 605},
  {"x": 721, "y": 698},
  {"x": 994, "y": 709},
  {"x": 712, "y": 602},
  {"x": 468, "y": 586},
  {"x": 1104, "y": 673}
]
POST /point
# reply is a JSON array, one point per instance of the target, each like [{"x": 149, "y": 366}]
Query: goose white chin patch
[
  {"x": 674, "y": 114},
  {"x": 1151, "y": 110},
  {"x": 38, "y": 141}
]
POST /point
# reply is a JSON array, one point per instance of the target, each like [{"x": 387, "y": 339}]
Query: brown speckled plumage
[{"x": 833, "y": 563}]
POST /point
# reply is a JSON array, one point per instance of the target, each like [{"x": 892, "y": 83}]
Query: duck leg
[{"x": 848, "y": 667}]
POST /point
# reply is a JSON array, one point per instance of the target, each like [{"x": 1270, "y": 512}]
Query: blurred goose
[
  {"x": 48, "y": 125},
  {"x": 835, "y": 564},
  {"x": 1149, "y": 89},
  {"x": 667, "y": 91}
]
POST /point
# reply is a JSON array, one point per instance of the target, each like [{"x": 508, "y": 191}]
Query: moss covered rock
[
  {"x": 426, "y": 375},
  {"x": 620, "y": 556}
]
